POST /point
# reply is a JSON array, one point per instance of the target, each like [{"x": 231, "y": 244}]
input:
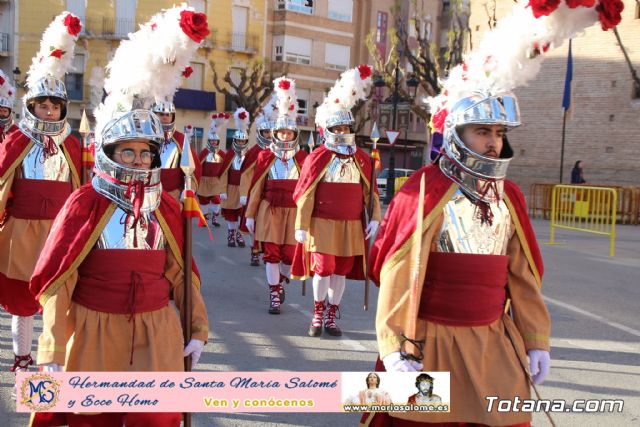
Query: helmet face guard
[
  {"x": 213, "y": 143},
  {"x": 46, "y": 87},
  {"x": 466, "y": 167},
  {"x": 166, "y": 107},
  {"x": 340, "y": 143},
  {"x": 263, "y": 141},
  {"x": 240, "y": 145},
  {"x": 136, "y": 124},
  {"x": 6, "y": 121},
  {"x": 284, "y": 149},
  {"x": 480, "y": 108}
]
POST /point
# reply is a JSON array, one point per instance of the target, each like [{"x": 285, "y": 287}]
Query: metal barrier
[
  {"x": 586, "y": 209},
  {"x": 628, "y": 209}
]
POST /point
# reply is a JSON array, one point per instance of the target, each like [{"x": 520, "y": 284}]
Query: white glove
[
  {"x": 243, "y": 200},
  {"x": 52, "y": 367},
  {"x": 301, "y": 236},
  {"x": 371, "y": 228},
  {"x": 194, "y": 348},
  {"x": 539, "y": 365},
  {"x": 250, "y": 225},
  {"x": 182, "y": 196},
  {"x": 223, "y": 196},
  {"x": 393, "y": 362}
]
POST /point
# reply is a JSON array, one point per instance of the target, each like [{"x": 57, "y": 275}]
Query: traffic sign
[{"x": 392, "y": 135}]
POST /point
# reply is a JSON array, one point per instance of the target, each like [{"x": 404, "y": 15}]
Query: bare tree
[
  {"x": 634, "y": 73},
  {"x": 253, "y": 87},
  {"x": 424, "y": 57}
]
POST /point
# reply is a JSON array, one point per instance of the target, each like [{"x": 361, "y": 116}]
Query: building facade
[
  {"x": 426, "y": 20},
  {"x": 237, "y": 36},
  {"x": 312, "y": 42}
]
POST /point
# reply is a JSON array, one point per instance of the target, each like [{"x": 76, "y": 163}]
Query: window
[
  {"x": 340, "y": 10},
  {"x": 125, "y": 18},
  {"x": 195, "y": 79},
  {"x": 74, "y": 80},
  {"x": 381, "y": 33},
  {"x": 381, "y": 27},
  {"x": 303, "y": 101},
  {"x": 197, "y": 138},
  {"x": 337, "y": 56},
  {"x": 239, "y": 33},
  {"x": 278, "y": 48},
  {"x": 198, "y": 5},
  {"x": 297, "y": 50},
  {"x": 299, "y": 6}
]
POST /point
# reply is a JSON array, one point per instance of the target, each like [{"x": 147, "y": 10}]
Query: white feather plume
[
  {"x": 7, "y": 91},
  {"x": 217, "y": 120},
  {"x": 148, "y": 66},
  {"x": 56, "y": 39},
  {"x": 287, "y": 101},
  {"x": 349, "y": 89},
  {"x": 240, "y": 123},
  {"x": 269, "y": 111},
  {"x": 510, "y": 55}
]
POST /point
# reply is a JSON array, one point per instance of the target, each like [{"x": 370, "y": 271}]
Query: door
[
  {"x": 239, "y": 32},
  {"x": 125, "y": 17}
]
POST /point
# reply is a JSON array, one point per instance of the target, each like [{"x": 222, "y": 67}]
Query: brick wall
[{"x": 604, "y": 125}]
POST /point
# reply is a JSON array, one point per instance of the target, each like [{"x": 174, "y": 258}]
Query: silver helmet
[
  {"x": 340, "y": 143},
  {"x": 213, "y": 141},
  {"x": 238, "y": 148},
  {"x": 241, "y": 119},
  {"x": 7, "y": 97},
  {"x": 49, "y": 87},
  {"x": 284, "y": 150},
  {"x": 166, "y": 107},
  {"x": 473, "y": 171},
  {"x": 112, "y": 179},
  {"x": 264, "y": 124}
]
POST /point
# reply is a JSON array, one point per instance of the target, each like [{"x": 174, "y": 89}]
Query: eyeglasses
[{"x": 129, "y": 156}]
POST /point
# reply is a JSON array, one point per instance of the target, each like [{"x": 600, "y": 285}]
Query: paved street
[{"x": 593, "y": 301}]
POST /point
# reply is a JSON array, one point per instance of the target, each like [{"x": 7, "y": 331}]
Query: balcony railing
[
  {"x": 4, "y": 42},
  {"x": 339, "y": 16},
  {"x": 295, "y": 58},
  {"x": 242, "y": 42},
  {"x": 335, "y": 67},
  {"x": 108, "y": 28}
]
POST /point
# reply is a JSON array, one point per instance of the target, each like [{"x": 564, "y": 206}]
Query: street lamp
[
  {"x": 16, "y": 77},
  {"x": 412, "y": 87},
  {"x": 412, "y": 84},
  {"x": 315, "y": 125}
]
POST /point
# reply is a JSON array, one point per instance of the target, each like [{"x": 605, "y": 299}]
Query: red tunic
[{"x": 26, "y": 213}]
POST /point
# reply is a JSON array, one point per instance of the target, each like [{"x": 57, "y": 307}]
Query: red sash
[
  {"x": 135, "y": 286},
  {"x": 338, "y": 201},
  {"x": 279, "y": 192},
  {"x": 234, "y": 177},
  {"x": 38, "y": 198},
  {"x": 464, "y": 289},
  {"x": 211, "y": 168},
  {"x": 172, "y": 179}
]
